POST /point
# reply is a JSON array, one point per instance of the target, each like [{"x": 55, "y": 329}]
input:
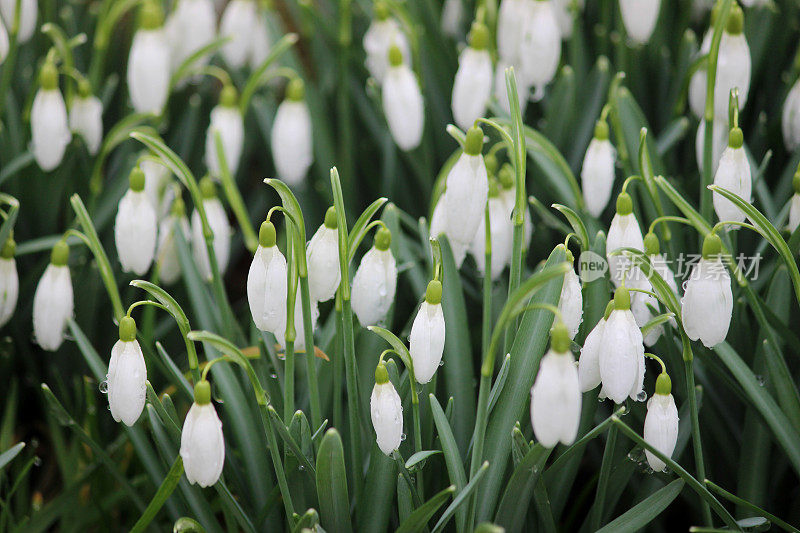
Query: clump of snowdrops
[{"x": 417, "y": 266}]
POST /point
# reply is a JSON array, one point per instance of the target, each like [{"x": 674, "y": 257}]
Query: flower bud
[
  {"x": 639, "y": 17},
  {"x": 794, "y": 207},
  {"x": 597, "y": 171},
  {"x": 52, "y": 302},
  {"x": 191, "y": 26},
  {"x": 570, "y": 303},
  {"x": 452, "y": 18},
  {"x": 589, "y": 362},
  {"x": 9, "y": 281},
  {"x": 149, "y": 63},
  {"x": 322, "y": 255},
  {"x": 4, "y": 43},
  {"x": 403, "y": 104},
  {"x": 733, "y": 64},
  {"x": 86, "y": 120},
  {"x": 227, "y": 120},
  {"x": 237, "y": 24},
  {"x": 156, "y": 179},
  {"x": 426, "y": 342},
  {"x": 50, "y": 133},
  {"x": 707, "y": 304},
  {"x": 266, "y": 283},
  {"x": 202, "y": 440},
  {"x": 384, "y": 32},
  {"x": 135, "y": 227},
  {"x": 127, "y": 375},
  {"x": 473, "y": 82},
  {"x": 220, "y": 227},
  {"x": 27, "y": 17},
  {"x": 661, "y": 424},
  {"x": 621, "y": 356},
  {"x": 291, "y": 141},
  {"x": 624, "y": 232},
  {"x": 790, "y": 118},
  {"x": 733, "y": 173},
  {"x": 375, "y": 282},
  {"x": 540, "y": 48},
  {"x": 386, "y": 411}
]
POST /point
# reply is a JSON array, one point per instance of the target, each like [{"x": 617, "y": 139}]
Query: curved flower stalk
[
  {"x": 570, "y": 302},
  {"x": 719, "y": 139},
  {"x": 242, "y": 23},
  {"x": 589, "y": 361},
  {"x": 402, "y": 102},
  {"x": 472, "y": 86},
  {"x": 375, "y": 281},
  {"x": 228, "y": 121},
  {"x": 127, "y": 375},
  {"x": 661, "y": 423},
  {"x": 639, "y": 18},
  {"x": 323, "y": 259},
  {"x": 202, "y": 441},
  {"x": 733, "y": 173},
  {"x": 386, "y": 412},
  {"x": 167, "y": 262},
  {"x": 190, "y": 26},
  {"x": 623, "y": 233},
  {"x": 149, "y": 62},
  {"x": 52, "y": 302},
  {"x": 9, "y": 281},
  {"x": 291, "y": 140},
  {"x": 790, "y": 118},
  {"x": 384, "y": 32},
  {"x": 50, "y": 133},
  {"x": 540, "y": 49},
  {"x": 86, "y": 117},
  {"x": 707, "y": 304},
  {"x": 556, "y": 394},
  {"x": 426, "y": 343},
  {"x": 156, "y": 179},
  {"x": 27, "y": 16},
  {"x": 220, "y": 227},
  {"x": 597, "y": 171},
  {"x": 135, "y": 227},
  {"x": 266, "y": 282},
  {"x": 500, "y": 235},
  {"x": 733, "y": 64},
  {"x": 621, "y": 356}
]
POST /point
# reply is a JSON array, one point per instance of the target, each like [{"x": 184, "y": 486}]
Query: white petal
[
  {"x": 403, "y": 107},
  {"x": 465, "y": 198},
  {"x": 556, "y": 400},
  {"x": 374, "y": 286},
  {"x": 426, "y": 342},
  {"x": 733, "y": 70},
  {"x": 733, "y": 173},
  {"x": 386, "y": 411},
  {"x": 260, "y": 41},
  {"x": 452, "y": 17},
  {"x": 191, "y": 26},
  {"x": 540, "y": 49},
  {"x": 266, "y": 289},
  {"x": 719, "y": 140},
  {"x": 9, "y": 289},
  {"x": 472, "y": 86},
  {"x": 86, "y": 119},
  {"x": 27, "y": 18},
  {"x": 202, "y": 445},
  {"x": 597, "y": 175},
  {"x": 661, "y": 428},
  {"x": 501, "y": 230},
  {"x": 169, "y": 266},
  {"x": 228, "y": 122},
  {"x": 135, "y": 230},
  {"x": 238, "y": 22},
  {"x": 794, "y": 213},
  {"x": 378, "y": 39},
  {"x": 790, "y": 118},
  {"x": 623, "y": 233},
  {"x": 50, "y": 133},
  {"x": 149, "y": 71},
  {"x": 707, "y": 304},
  {"x": 570, "y": 303},
  {"x": 620, "y": 353},
  {"x": 127, "y": 376},
  {"x": 52, "y": 307},
  {"x": 156, "y": 178},
  {"x": 299, "y": 326},
  {"x": 324, "y": 271},
  {"x": 292, "y": 142},
  {"x": 589, "y": 362},
  {"x": 639, "y": 17},
  {"x": 221, "y": 228}
]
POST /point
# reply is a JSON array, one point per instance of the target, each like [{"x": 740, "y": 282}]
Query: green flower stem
[
  {"x": 338, "y": 366},
  {"x": 64, "y": 49},
  {"x": 311, "y": 372},
  {"x": 487, "y": 287},
  {"x": 290, "y": 335},
  {"x": 669, "y": 218},
  {"x": 602, "y": 483},
  {"x": 755, "y": 509},
  {"x": 343, "y": 112},
  {"x": 110, "y": 13},
  {"x": 646, "y": 170},
  {"x": 697, "y": 444},
  {"x": 234, "y": 196}
]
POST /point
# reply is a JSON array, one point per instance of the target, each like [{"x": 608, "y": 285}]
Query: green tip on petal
[
  {"x": 127, "y": 329},
  {"x": 266, "y": 234},
  {"x": 9, "y": 247},
  {"x": 228, "y": 96},
  {"x": 506, "y": 176},
  {"x": 712, "y": 246},
  {"x": 735, "y": 138},
  {"x": 651, "y": 244},
  {"x": 178, "y": 207},
  {"x": 152, "y": 16},
  {"x": 490, "y": 160},
  {"x": 331, "y": 220},
  {"x": 622, "y": 299},
  {"x": 609, "y": 308},
  {"x": 433, "y": 294},
  {"x": 395, "y": 56},
  {"x": 381, "y": 374},
  {"x": 48, "y": 77},
  {"x": 136, "y": 179},
  {"x": 663, "y": 384},
  {"x": 601, "y": 130},
  {"x": 624, "y": 204},
  {"x": 479, "y": 36},
  {"x": 383, "y": 239},
  {"x": 296, "y": 90},
  {"x": 60, "y": 254},
  {"x": 735, "y": 20},
  {"x": 207, "y": 188},
  {"x": 202, "y": 393},
  {"x": 474, "y": 141},
  {"x": 559, "y": 338}
]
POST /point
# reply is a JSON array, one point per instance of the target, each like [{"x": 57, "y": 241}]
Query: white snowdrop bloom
[
  {"x": 27, "y": 17},
  {"x": 386, "y": 411},
  {"x": 266, "y": 282},
  {"x": 699, "y": 82},
  {"x": 719, "y": 139},
  {"x": 322, "y": 255},
  {"x": 156, "y": 179},
  {"x": 149, "y": 63},
  {"x": 220, "y": 227},
  {"x": 202, "y": 441},
  {"x": 589, "y": 361},
  {"x": 439, "y": 227},
  {"x": 661, "y": 423},
  {"x": 169, "y": 266},
  {"x": 191, "y": 26},
  {"x": 508, "y": 192},
  {"x": 733, "y": 173},
  {"x": 237, "y": 24},
  {"x": 540, "y": 49},
  {"x": 9, "y": 281},
  {"x": 127, "y": 375},
  {"x": 623, "y": 233},
  {"x": 501, "y": 229},
  {"x": 641, "y": 303},
  {"x": 86, "y": 118},
  {"x": 452, "y": 17},
  {"x": 260, "y": 41},
  {"x": 467, "y": 189},
  {"x": 563, "y": 11},
  {"x": 375, "y": 281},
  {"x": 52, "y": 302},
  {"x": 383, "y": 33},
  {"x": 402, "y": 103},
  {"x": 135, "y": 227},
  {"x": 570, "y": 302},
  {"x": 511, "y": 18},
  {"x": 472, "y": 86},
  {"x": 639, "y": 17},
  {"x": 790, "y": 118},
  {"x": 4, "y": 43},
  {"x": 291, "y": 140},
  {"x": 229, "y": 123},
  {"x": 597, "y": 171},
  {"x": 556, "y": 394},
  {"x": 426, "y": 342},
  {"x": 707, "y": 302},
  {"x": 733, "y": 64},
  {"x": 50, "y": 133},
  {"x": 299, "y": 327},
  {"x": 621, "y": 356},
  {"x": 794, "y": 206},
  {"x": 501, "y": 92}
]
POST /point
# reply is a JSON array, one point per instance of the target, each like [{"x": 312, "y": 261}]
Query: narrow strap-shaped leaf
[
  {"x": 744, "y": 503},
  {"x": 334, "y": 504},
  {"x": 577, "y": 224},
  {"x": 645, "y": 511},
  {"x": 418, "y": 520},
  {"x": 253, "y": 82},
  {"x": 452, "y": 458},
  {"x": 499, "y": 382},
  {"x": 292, "y": 206},
  {"x": 164, "y": 492},
  {"x": 461, "y": 498},
  {"x": 420, "y": 457},
  {"x": 398, "y": 346},
  {"x": 290, "y": 442},
  {"x": 8, "y": 455},
  {"x": 518, "y": 492},
  {"x": 359, "y": 230},
  {"x": 184, "y": 69}
]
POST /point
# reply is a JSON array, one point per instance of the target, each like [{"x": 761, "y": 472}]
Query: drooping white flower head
[
  {"x": 639, "y": 17},
  {"x": 167, "y": 262},
  {"x": 86, "y": 118},
  {"x": 564, "y": 15},
  {"x": 501, "y": 230},
  {"x": 266, "y": 282},
  {"x": 386, "y": 412},
  {"x": 375, "y": 281},
  {"x": 299, "y": 327},
  {"x": 191, "y": 26},
  {"x": 237, "y": 24},
  {"x": 4, "y": 43},
  {"x": 570, "y": 303},
  {"x": 643, "y": 303},
  {"x": 597, "y": 171},
  {"x": 156, "y": 179},
  {"x": 149, "y": 63},
  {"x": 707, "y": 304},
  {"x": 402, "y": 102},
  {"x": 719, "y": 140},
  {"x": 9, "y": 281},
  {"x": 50, "y": 133},
  {"x": 733, "y": 65},
  {"x": 511, "y": 18},
  {"x": 202, "y": 441},
  {"x": 790, "y": 118},
  {"x": 621, "y": 357},
  {"x": 291, "y": 140},
  {"x": 439, "y": 228},
  {"x": 135, "y": 227},
  {"x": 127, "y": 375},
  {"x": 623, "y": 233},
  {"x": 556, "y": 394},
  {"x": 472, "y": 86},
  {"x": 426, "y": 342},
  {"x": 452, "y": 18},
  {"x": 322, "y": 254},
  {"x": 27, "y": 17},
  {"x": 589, "y": 361},
  {"x": 794, "y": 204},
  {"x": 661, "y": 423},
  {"x": 540, "y": 49},
  {"x": 733, "y": 173},
  {"x": 52, "y": 302},
  {"x": 220, "y": 227},
  {"x": 383, "y": 33},
  {"x": 228, "y": 122},
  {"x": 698, "y": 85}
]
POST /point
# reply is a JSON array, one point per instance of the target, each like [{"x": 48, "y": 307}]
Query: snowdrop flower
[
  {"x": 707, "y": 304},
  {"x": 52, "y": 302},
  {"x": 149, "y": 63},
  {"x": 260, "y": 41},
  {"x": 202, "y": 441},
  {"x": 623, "y": 233},
  {"x": 790, "y": 118},
  {"x": 4, "y": 43},
  {"x": 291, "y": 136},
  {"x": 597, "y": 171},
  {"x": 266, "y": 282},
  {"x": 589, "y": 361},
  {"x": 501, "y": 92},
  {"x": 511, "y": 17},
  {"x": 733, "y": 173},
  {"x": 156, "y": 179},
  {"x": 501, "y": 231},
  {"x": 86, "y": 117},
  {"x": 227, "y": 120},
  {"x": 135, "y": 227},
  {"x": 127, "y": 375},
  {"x": 452, "y": 17},
  {"x": 698, "y": 85},
  {"x": 439, "y": 228},
  {"x": 49, "y": 126},
  {"x": 375, "y": 281},
  {"x": 570, "y": 303},
  {"x": 386, "y": 411},
  {"x": 220, "y": 227},
  {"x": 719, "y": 139},
  {"x": 9, "y": 281},
  {"x": 556, "y": 394},
  {"x": 191, "y": 26},
  {"x": 169, "y": 266},
  {"x": 237, "y": 24},
  {"x": 402, "y": 102},
  {"x": 621, "y": 357},
  {"x": 508, "y": 192},
  {"x": 384, "y": 32},
  {"x": 473, "y": 83},
  {"x": 733, "y": 65},
  {"x": 642, "y": 302},
  {"x": 564, "y": 15},
  {"x": 639, "y": 17},
  {"x": 27, "y": 17},
  {"x": 661, "y": 423},
  {"x": 426, "y": 342},
  {"x": 794, "y": 207},
  {"x": 540, "y": 49},
  {"x": 322, "y": 255},
  {"x": 299, "y": 326}
]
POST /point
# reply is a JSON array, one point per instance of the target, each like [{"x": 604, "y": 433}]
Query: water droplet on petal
[
  {"x": 37, "y": 461},
  {"x": 403, "y": 437},
  {"x": 441, "y": 363},
  {"x": 642, "y": 396},
  {"x": 103, "y": 387}
]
